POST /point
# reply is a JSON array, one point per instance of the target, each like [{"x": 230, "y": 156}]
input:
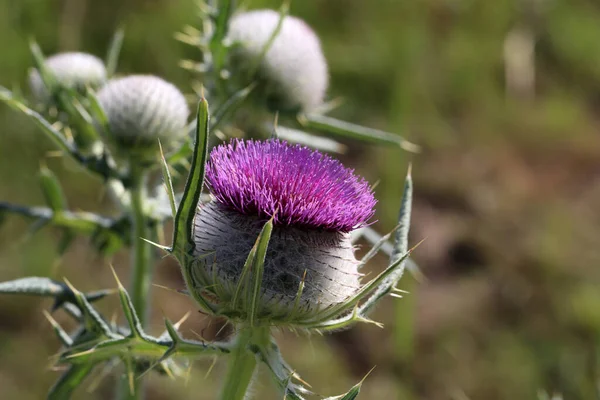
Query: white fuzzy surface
[
  {"x": 143, "y": 108},
  {"x": 294, "y": 69},
  {"x": 73, "y": 70},
  {"x": 224, "y": 238}
]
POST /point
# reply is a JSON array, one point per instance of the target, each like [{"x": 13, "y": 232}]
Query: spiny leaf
[
  {"x": 401, "y": 238},
  {"x": 183, "y": 243},
  {"x": 33, "y": 286},
  {"x": 334, "y": 126},
  {"x": 93, "y": 320},
  {"x": 130, "y": 314},
  {"x": 63, "y": 336},
  {"x": 400, "y": 246},
  {"x": 182, "y": 236}
]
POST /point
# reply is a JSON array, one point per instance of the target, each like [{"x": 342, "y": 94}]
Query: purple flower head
[{"x": 298, "y": 186}]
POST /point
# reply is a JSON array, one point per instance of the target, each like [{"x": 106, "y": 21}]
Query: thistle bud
[
  {"x": 72, "y": 70},
  {"x": 293, "y": 72},
  {"x": 314, "y": 202},
  {"x": 142, "y": 109}
]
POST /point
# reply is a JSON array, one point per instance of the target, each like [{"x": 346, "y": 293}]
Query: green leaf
[
  {"x": 184, "y": 220},
  {"x": 114, "y": 50},
  {"x": 52, "y": 190},
  {"x": 33, "y": 286},
  {"x": 401, "y": 238},
  {"x": 69, "y": 381},
  {"x": 334, "y": 126},
  {"x": 183, "y": 243},
  {"x": 258, "y": 267},
  {"x": 400, "y": 245}
]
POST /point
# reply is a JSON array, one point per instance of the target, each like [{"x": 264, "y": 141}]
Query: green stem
[
  {"x": 141, "y": 274},
  {"x": 243, "y": 362}
]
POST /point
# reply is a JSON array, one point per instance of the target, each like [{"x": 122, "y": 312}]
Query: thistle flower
[
  {"x": 293, "y": 72},
  {"x": 72, "y": 70},
  {"x": 314, "y": 202},
  {"x": 142, "y": 109}
]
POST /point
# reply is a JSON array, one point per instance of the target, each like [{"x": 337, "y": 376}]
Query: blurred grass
[{"x": 507, "y": 193}]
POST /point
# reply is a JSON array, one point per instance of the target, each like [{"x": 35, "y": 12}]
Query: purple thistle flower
[
  {"x": 294, "y": 184},
  {"x": 314, "y": 201}
]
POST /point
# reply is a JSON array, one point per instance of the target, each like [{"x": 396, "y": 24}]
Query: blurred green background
[{"x": 503, "y": 96}]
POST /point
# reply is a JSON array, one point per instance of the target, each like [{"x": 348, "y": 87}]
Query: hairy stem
[{"x": 243, "y": 362}]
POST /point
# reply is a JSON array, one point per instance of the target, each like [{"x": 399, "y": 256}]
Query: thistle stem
[
  {"x": 242, "y": 363},
  {"x": 141, "y": 274}
]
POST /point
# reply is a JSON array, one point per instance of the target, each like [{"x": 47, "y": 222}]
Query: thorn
[
  {"x": 368, "y": 373},
  {"x": 212, "y": 365},
  {"x": 397, "y": 296},
  {"x": 188, "y": 373},
  {"x": 119, "y": 284},
  {"x": 82, "y": 353},
  {"x": 178, "y": 291},
  {"x": 182, "y": 320},
  {"x": 160, "y": 246}
]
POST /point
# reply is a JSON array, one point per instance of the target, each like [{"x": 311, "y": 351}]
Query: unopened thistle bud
[
  {"x": 314, "y": 202},
  {"x": 72, "y": 70},
  {"x": 142, "y": 109},
  {"x": 293, "y": 72}
]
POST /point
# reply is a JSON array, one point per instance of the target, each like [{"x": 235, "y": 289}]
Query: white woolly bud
[
  {"x": 293, "y": 72},
  {"x": 72, "y": 70},
  {"x": 142, "y": 109},
  {"x": 224, "y": 238}
]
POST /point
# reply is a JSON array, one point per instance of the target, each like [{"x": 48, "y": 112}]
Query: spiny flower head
[
  {"x": 313, "y": 200},
  {"x": 141, "y": 109},
  {"x": 72, "y": 70},
  {"x": 293, "y": 184},
  {"x": 293, "y": 72}
]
